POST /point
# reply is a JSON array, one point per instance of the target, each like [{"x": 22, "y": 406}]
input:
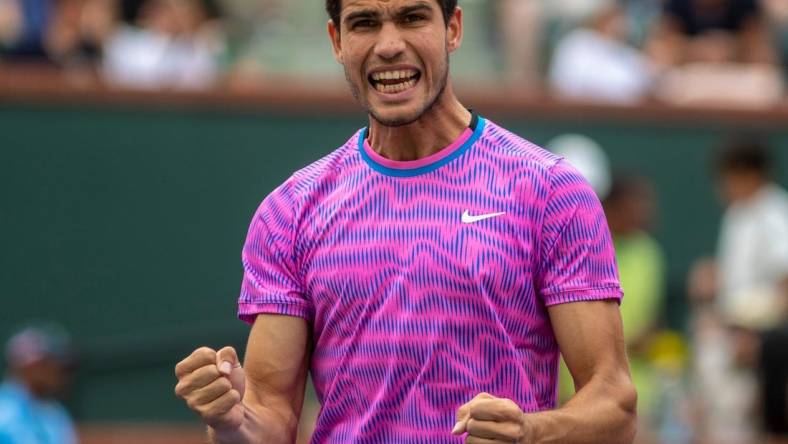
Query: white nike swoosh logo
[{"x": 468, "y": 219}]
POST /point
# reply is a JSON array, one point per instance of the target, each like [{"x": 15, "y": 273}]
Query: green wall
[{"x": 126, "y": 224}]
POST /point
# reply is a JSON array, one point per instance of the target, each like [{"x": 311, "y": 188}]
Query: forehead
[{"x": 384, "y": 5}]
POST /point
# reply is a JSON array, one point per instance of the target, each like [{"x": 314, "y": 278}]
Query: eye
[
  {"x": 413, "y": 18},
  {"x": 365, "y": 23}
]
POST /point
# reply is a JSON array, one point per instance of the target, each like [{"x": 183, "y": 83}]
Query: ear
[
  {"x": 336, "y": 41},
  {"x": 454, "y": 31}
]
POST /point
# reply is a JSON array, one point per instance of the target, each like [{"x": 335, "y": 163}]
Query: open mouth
[{"x": 395, "y": 81}]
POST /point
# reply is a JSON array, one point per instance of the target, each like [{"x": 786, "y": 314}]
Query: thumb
[
  {"x": 230, "y": 366},
  {"x": 459, "y": 428},
  {"x": 463, "y": 415},
  {"x": 227, "y": 360}
]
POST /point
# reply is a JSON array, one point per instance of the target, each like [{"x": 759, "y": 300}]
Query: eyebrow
[
  {"x": 371, "y": 14},
  {"x": 365, "y": 13},
  {"x": 420, "y": 6}
]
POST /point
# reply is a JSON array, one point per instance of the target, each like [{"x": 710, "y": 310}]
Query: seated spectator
[
  {"x": 712, "y": 31},
  {"x": 79, "y": 31},
  {"x": 39, "y": 359},
  {"x": 705, "y": 46},
  {"x": 595, "y": 62},
  {"x": 23, "y": 29},
  {"x": 174, "y": 45}
]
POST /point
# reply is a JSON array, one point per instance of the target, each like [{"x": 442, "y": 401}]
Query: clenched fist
[
  {"x": 490, "y": 420},
  {"x": 212, "y": 384}
]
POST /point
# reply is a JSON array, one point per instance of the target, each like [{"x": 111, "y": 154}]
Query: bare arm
[
  {"x": 602, "y": 411},
  {"x": 260, "y": 403},
  {"x": 276, "y": 367},
  {"x": 604, "y": 408}
]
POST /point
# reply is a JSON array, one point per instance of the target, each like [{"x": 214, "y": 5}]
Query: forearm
[
  {"x": 263, "y": 426},
  {"x": 602, "y": 411}
]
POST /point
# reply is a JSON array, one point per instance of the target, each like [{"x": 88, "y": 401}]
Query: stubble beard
[{"x": 355, "y": 90}]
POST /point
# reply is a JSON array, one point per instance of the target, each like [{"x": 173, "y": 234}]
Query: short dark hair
[
  {"x": 744, "y": 155},
  {"x": 334, "y": 9}
]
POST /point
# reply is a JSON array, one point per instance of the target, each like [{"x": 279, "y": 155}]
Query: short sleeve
[
  {"x": 271, "y": 283},
  {"x": 578, "y": 260}
]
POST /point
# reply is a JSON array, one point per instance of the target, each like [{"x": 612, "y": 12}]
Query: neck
[{"x": 433, "y": 131}]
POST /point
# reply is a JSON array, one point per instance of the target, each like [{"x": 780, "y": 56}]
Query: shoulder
[
  {"x": 308, "y": 182},
  {"x": 10, "y": 407},
  {"x": 507, "y": 146},
  {"x": 545, "y": 174},
  {"x": 774, "y": 205}
]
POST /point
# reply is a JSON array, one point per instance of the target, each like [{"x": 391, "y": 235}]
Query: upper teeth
[{"x": 394, "y": 75}]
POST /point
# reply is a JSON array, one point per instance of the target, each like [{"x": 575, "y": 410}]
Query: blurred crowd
[{"x": 620, "y": 51}]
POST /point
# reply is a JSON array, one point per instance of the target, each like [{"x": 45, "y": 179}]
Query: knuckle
[
  {"x": 204, "y": 353},
  {"x": 192, "y": 403},
  {"x": 179, "y": 391},
  {"x": 514, "y": 431},
  {"x": 224, "y": 385},
  {"x": 472, "y": 425},
  {"x": 211, "y": 371}
]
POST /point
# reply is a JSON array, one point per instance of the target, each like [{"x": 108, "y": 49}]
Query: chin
[{"x": 395, "y": 117}]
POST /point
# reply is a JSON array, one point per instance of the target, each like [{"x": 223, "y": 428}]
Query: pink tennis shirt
[{"x": 427, "y": 282}]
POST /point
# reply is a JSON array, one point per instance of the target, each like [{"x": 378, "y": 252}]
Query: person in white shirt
[
  {"x": 740, "y": 329},
  {"x": 595, "y": 62}
]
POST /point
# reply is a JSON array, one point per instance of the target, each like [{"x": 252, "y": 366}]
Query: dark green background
[{"x": 126, "y": 224}]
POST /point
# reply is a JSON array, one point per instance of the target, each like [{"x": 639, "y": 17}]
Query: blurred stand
[
  {"x": 171, "y": 44},
  {"x": 740, "y": 299},
  {"x": 576, "y": 49},
  {"x": 702, "y": 47}
]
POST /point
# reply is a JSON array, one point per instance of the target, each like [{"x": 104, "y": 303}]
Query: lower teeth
[{"x": 399, "y": 87}]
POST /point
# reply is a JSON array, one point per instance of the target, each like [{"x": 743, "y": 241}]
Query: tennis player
[{"x": 427, "y": 273}]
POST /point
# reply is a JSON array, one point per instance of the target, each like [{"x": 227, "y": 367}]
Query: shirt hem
[
  {"x": 248, "y": 311},
  {"x": 583, "y": 295}
]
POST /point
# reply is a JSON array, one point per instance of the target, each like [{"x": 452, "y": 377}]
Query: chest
[{"x": 397, "y": 248}]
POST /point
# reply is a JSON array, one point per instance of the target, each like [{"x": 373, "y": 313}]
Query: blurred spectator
[
  {"x": 595, "y": 62},
  {"x": 753, "y": 275},
  {"x": 753, "y": 250},
  {"x": 175, "y": 44},
  {"x": 704, "y": 46},
  {"x": 521, "y": 24},
  {"x": 80, "y": 30},
  {"x": 23, "y": 29},
  {"x": 742, "y": 296},
  {"x": 39, "y": 359}
]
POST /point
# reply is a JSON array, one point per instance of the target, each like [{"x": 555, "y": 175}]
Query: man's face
[
  {"x": 395, "y": 54},
  {"x": 739, "y": 185},
  {"x": 47, "y": 378}
]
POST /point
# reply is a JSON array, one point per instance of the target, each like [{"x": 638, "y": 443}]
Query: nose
[{"x": 390, "y": 43}]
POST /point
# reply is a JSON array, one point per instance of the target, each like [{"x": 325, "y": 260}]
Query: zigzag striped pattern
[{"x": 415, "y": 312}]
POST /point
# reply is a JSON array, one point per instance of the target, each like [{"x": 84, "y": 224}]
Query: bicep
[
  {"x": 276, "y": 365},
  {"x": 591, "y": 339}
]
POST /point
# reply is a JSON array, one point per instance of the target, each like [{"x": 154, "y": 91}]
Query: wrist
[
  {"x": 225, "y": 435},
  {"x": 531, "y": 429}
]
